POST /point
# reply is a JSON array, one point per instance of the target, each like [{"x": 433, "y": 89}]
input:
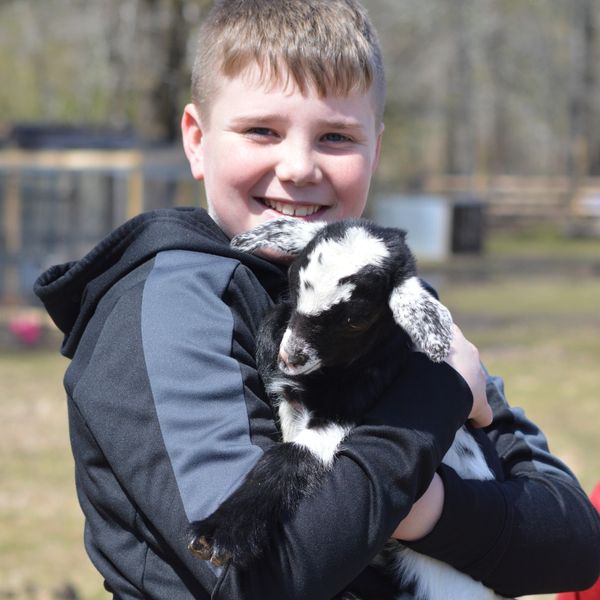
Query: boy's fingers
[
  {"x": 484, "y": 416},
  {"x": 464, "y": 357}
]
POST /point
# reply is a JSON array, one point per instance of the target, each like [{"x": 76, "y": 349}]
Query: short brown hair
[{"x": 330, "y": 45}]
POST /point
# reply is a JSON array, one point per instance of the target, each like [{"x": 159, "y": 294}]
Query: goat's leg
[
  {"x": 285, "y": 234},
  {"x": 432, "y": 579},
  {"x": 241, "y": 527}
]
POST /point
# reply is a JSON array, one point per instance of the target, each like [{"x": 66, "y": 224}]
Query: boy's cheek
[{"x": 354, "y": 181}]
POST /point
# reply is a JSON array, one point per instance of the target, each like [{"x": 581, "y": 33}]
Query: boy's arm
[
  {"x": 165, "y": 387},
  {"x": 534, "y": 532},
  {"x": 385, "y": 464}
]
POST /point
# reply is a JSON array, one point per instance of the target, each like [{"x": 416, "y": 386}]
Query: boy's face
[{"x": 269, "y": 150}]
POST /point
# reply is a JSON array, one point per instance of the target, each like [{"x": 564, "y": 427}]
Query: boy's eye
[
  {"x": 259, "y": 131},
  {"x": 336, "y": 138}
]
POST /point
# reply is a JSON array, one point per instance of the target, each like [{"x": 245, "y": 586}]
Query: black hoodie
[{"x": 167, "y": 415}]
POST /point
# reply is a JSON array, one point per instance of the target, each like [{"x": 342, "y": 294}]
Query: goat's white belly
[
  {"x": 466, "y": 458},
  {"x": 323, "y": 442},
  {"x": 293, "y": 418},
  {"x": 435, "y": 580}
]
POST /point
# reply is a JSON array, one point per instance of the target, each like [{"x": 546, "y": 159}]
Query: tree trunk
[{"x": 460, "y": 145}]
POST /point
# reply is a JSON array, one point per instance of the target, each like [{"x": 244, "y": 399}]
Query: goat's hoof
[
  {"x": 201, "y": 547},
  {"x": 204, "y": 549},
  {"x": 220, "y": 559}
]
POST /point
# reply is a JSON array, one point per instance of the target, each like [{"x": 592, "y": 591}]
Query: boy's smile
[{"x": 269, "y": 150}]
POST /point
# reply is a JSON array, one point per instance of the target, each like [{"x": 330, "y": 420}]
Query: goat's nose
[
  {"x": 294, "y": 360},
  {"x": 284, "y": 356}
]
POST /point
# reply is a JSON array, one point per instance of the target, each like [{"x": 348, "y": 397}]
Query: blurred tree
[
  {"x": 583, "y": 105},
  {"x": 459, "y": 109},
  {"x": 122, "y": 18},
  {"x": 121, "y": 62},
  {"x": 497, "y": 149},
  {"x": 173, "y": 74},
  {"x": 475, "y": 86},
  {"x": 149, "y": 62}
]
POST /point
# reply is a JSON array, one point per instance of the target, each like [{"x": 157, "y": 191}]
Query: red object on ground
[
  {"x": 592, "y": 593},
  {"x": 26, "y": 328}
]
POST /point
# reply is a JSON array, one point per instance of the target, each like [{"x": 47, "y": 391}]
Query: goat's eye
[{"x": 355, "y": 324}]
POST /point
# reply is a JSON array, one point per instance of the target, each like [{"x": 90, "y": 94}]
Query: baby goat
[{"x": 352, "y": 284}]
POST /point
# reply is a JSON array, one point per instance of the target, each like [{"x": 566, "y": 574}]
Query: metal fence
[{"x": 56, "y": 204}]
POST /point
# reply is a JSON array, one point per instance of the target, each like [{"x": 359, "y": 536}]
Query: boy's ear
[
  {"x": 378, "y": 149},
  {"x": 191, "y": 131}
]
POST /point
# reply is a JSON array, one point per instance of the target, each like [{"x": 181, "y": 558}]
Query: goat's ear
[
  {"x": 426, "y": 320},
  {"x": 284, "y": 235}
]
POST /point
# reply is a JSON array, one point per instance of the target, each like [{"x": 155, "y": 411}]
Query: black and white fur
[{"x": 351, "y": 284}]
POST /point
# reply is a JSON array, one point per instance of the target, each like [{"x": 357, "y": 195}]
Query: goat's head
[{"x": 349, "y": 282}]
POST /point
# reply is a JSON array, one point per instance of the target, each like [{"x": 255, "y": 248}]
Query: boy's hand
[
  {"x": 424, "y": 514},
  {"x": 464, "y": 357}
]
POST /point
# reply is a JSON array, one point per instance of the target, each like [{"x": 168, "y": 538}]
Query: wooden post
[
  {"x": 13, "y": 237},
  {"x": 135, "y": 187}
]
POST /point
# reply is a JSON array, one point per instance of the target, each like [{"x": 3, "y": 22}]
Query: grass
[
  {"x": 545, "y": 241},
  {"x": 537, "y": 327},
  {"x": 41, "y": 540},
  {"x": 532, "y": 306},
  {"x": 541, "y": 337}
]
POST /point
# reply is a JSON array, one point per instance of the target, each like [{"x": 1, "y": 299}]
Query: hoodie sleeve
[
  {"x": 386, "y": 464},
  {"x": 533, "y": 531},
  {"x": 170, "y": 394}
]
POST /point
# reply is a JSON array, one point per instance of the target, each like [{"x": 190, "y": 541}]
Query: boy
[{"x": 166, "y": 411}]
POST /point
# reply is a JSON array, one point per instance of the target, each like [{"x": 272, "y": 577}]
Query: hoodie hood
[{"x": 70, "y": 292}]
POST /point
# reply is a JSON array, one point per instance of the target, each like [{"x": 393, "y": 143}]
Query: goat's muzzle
[
  {"x": 295, "y": 361},
  {"x": 295, "y": 357}
]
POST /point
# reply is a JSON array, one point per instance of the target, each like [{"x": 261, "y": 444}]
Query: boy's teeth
[{"x": 291, "y": 210}]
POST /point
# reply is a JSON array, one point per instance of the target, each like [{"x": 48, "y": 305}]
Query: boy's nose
[{"x": 298, "y": 165}]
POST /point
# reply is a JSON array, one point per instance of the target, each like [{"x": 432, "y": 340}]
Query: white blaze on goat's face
[{"x": 330, "y": 261}]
